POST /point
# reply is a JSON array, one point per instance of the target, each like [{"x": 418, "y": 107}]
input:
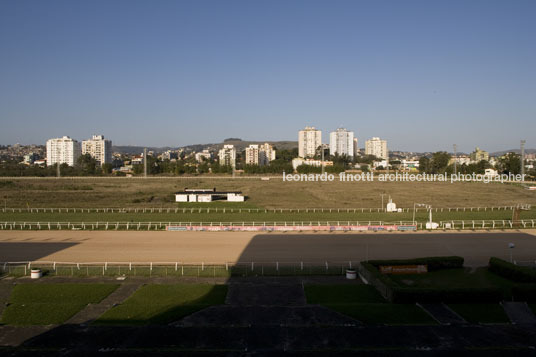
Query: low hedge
[
  {"x": 526, "y": 292},
  {"x": 451, "y": 295},
  {"x": 433, "y": 263},
  {"x": 511, "y": 271},
  {"x": 395, "y": 293}
]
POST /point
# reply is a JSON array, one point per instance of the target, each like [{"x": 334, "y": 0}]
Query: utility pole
[
  {"x": 145, "y": 162},
  {"x": 455, "y": 161},
  {"x": 322, "y": 163},
  {"x": 58, "y": 173},
  {"x": 382, "y": 194},
  {"x": 523, "y": 160}
]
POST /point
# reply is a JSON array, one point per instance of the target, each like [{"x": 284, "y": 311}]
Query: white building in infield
[
  {"x": 309, "y": 139},
  {"x": 208, "y": 195},
  {"x": 63, "y": 151},
  {"x": 341, "y": 142},
  {"x": 99, "y": 149},
  {"x": 377, "y": 147},
  {"x": 227, "y": 156}
]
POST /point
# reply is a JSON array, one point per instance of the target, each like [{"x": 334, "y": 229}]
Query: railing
[
  {"x": 162, "y": 225},
  {"x": 488, "y": 224},
  {"x": 241, "y": 210},
  {"x": 176, "y": 269}
]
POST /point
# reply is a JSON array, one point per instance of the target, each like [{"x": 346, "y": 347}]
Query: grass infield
[{"x": 154, "y": 192}]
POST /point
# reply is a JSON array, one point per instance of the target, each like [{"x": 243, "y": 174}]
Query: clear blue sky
[{"x": 421, "y": 74}]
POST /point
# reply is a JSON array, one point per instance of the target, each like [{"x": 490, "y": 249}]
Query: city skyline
[{"x": 422, "y": 75}]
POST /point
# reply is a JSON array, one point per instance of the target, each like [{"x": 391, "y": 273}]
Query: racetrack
[{"x": 221, "y": 247}]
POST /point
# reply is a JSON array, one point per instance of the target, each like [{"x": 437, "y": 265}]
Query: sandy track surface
[{"x": 221, "y": 247}]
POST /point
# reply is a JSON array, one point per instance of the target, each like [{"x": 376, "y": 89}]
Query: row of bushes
[
  {"x": 433, "y": 263},
  {"x": 402, "y": 294},
  {"x": 511, "y": 271}
]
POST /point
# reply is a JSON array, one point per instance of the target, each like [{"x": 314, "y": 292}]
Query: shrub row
[
  {"x": 511, "y": 271},
  {"x": 434, "y": 263},
  {"x": 395, "y": 293}
]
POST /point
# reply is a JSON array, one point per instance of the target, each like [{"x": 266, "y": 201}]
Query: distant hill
[
  {"x": 517, "y": 151},
  {"x": 238, "y": 143}
]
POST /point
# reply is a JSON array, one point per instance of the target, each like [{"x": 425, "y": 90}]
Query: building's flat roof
[{"x": 206, "y": 192}]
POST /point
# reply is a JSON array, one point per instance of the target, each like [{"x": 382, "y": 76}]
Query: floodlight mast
[
  {"x": 523, "y": 160},
  {"x": 455, "y": 160},
  {"x": 422, "y": 205}
]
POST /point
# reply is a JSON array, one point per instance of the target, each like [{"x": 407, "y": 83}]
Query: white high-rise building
[
  {"x": 341, "y": 142},
  {"x": 252, "y": 155},
  {"x": 266, "y": 154},
  {"x": 356, "y": 147},
  {"x": 260, "y": 154},
  {"x": 309, "y": 140},
  {"x": 99, "y": 149},
  {"x": 227, "y": 155},
  {"x": 377, "y": 147},
  {"x": 63, "y": 151}
]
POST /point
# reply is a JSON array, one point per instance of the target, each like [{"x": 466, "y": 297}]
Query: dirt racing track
[{"x": 221, "y": 247}]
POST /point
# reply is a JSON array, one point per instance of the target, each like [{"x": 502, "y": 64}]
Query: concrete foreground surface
[{"x": 221, "y": 247}]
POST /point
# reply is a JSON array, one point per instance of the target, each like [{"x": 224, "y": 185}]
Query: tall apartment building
[
  {"x": 479, "y": 155},
  {"x": 377, "y": 147},
  {"x": 99, "y": 149},
  {"x": 63, "y": 151},
  {"x": 266, "y": 154},
  {"x": 341, "y": 142},
  {"x": 356, "y": 147},
  {"x": 252, "y": 155},
  {"x": 309, "y": 140},
  {"x": 260, "y": 154},
  {"x": 227, "y": 155}
]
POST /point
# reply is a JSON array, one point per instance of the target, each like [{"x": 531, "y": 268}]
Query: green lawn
[
  {"x": 481, "y": 313},
  {"x": 364, "y": 303},
  {"x": 342, "y": 294},
  {"x": 45, "y": 304},
  {"x": 455, "y": 278},
  {"x": 380, "y": 313},
  {"x": 157, "y": 304}
]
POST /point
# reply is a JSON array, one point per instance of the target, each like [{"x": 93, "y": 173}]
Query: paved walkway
[
  {"x": 263, "y": 304},
  {"x": 519, "y": 312},
  {"x": 443, "y": 314},
  {"x": 93, "y": 311}
]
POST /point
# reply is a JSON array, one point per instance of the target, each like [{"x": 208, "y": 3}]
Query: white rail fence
[
  {"x": 18, "y": 225},
  {"x": 177, "y": 269},
  {"x": 242, "y": 210},
  {"x": 488, "y": 224},
  {"x": 151, "y": 226}
]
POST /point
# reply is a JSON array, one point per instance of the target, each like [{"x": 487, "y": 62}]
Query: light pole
[
  {"x": 421, "y": 205},
  {"x": 455, "y": 149},
  {"x": 511, "y": 246},
  {"x": 523, "y": 160},
  {"x": 382, "y": 194}
]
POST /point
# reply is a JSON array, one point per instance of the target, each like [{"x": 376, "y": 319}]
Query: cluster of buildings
[
  {"x": 255, "y": 154},
  {"x": 66, "y": 150},
  {"x": 341, "y": 142}
]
